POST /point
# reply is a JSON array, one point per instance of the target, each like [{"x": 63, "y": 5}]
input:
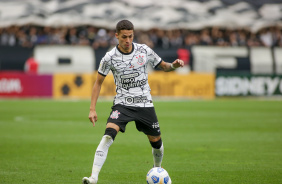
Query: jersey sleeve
[
  {"x": 105, "y": 65},
  {"x": 153, "y": 58}
]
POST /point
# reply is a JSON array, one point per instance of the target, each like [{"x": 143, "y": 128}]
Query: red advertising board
[{"x": 19, "y": 84}]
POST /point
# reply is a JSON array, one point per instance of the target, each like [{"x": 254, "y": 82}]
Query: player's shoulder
[
  {"x": 139, "y": 45},
  {"x": 142, "y": 47},
  {"x": 110, "y": 54}
]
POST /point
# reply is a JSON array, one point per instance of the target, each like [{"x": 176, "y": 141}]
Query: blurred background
[{"x": 52, "y": 48}]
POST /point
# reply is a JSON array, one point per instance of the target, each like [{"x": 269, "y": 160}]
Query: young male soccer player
[{"x": 128, "y": 62}]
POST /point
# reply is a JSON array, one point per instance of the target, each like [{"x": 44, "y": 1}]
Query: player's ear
[{"x": 116, "y": 34}]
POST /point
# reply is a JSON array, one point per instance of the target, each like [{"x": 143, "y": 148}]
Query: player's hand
[
  {"x": 93, "y": 117},
  {"x": 178, "y": 63}
]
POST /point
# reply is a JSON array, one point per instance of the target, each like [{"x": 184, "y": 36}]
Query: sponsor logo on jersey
[
  {"x": 130, "y": 75},
  {"x": 142, "y": 99},
  {"x": 128, "y": 81},
  {"x": 115, "y": 114},
  {"x": 133, "y": 84}
]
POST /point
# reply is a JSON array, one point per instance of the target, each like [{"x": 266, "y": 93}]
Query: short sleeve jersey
[{"x": 130, "y": 74}]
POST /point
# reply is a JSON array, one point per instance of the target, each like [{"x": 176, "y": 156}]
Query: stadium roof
[{"x": 145, "y": 14}]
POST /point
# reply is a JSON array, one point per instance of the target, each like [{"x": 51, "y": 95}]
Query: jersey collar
[{"x": 126, "y": 53}]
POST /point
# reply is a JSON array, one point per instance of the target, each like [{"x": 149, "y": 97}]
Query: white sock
[
  {"x": 101, "y": 155},
  {"x": 158, "y": 156}
]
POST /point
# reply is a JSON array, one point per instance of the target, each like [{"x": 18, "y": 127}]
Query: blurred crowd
[{"x": 29, "y": 36}]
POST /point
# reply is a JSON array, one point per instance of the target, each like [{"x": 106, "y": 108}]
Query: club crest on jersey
[
  {"x": 115, "y": 114},
  {"x": 141, "y": 60}
]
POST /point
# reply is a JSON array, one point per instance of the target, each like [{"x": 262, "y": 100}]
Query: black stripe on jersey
[
  {"x": 158, "y": 64},
  {"x": 102, "y": 74}
]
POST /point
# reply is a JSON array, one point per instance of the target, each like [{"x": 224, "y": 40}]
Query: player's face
[{"x": 125, "y": 39}]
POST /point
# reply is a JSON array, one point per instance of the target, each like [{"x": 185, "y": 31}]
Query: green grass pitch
[{"x": 206, "y": 142}]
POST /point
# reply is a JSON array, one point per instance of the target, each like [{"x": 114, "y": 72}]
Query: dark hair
[{"x": 124, "y": 25}]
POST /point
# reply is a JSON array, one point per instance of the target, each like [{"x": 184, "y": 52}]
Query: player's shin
[
  {"x": 158, "y": 152},
  {"x": 101, "y": 155}
]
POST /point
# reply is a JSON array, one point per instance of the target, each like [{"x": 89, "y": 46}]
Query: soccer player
[{"x": 128, "y": 62}]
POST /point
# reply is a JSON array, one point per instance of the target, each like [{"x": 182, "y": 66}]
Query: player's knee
[
  {"x": 111, "y": 132},
  {"x": 157, "y": 144}
]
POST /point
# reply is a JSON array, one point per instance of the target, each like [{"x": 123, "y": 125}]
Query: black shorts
[{"x": 145, "y": 118}]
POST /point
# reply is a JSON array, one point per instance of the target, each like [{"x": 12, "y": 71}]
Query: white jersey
[{"x": 130, "y": 74}]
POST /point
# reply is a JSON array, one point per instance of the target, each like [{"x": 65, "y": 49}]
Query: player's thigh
[
  {"x": 148, "y": 123},
  {"x": 119, "y": 117}
]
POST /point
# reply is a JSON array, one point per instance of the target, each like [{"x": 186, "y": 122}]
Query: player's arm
[
  {"x": 94, "y": 97},
  {"x": 167, "y": 67}
]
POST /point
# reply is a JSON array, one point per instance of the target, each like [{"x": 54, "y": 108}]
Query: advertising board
[
  {"x": 18, "y": 84},
  {"x": 248, "y": 85}
]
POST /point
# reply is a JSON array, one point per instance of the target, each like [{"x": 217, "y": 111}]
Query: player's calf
[
  {"x": 158, "y": 152},
  {"x": 102, "y": 152}
]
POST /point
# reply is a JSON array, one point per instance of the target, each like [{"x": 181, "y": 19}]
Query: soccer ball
[{"x": 158, "y": 175}]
